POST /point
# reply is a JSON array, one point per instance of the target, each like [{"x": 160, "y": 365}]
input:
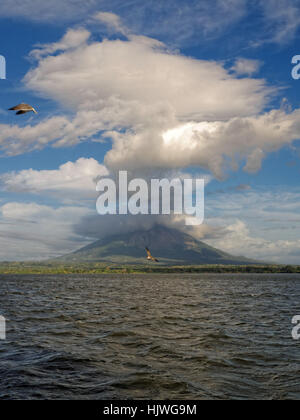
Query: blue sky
[{"x": 206, "y": 83}]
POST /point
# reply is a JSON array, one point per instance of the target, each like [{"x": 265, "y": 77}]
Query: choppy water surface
[{"x": 150, "y": 337}]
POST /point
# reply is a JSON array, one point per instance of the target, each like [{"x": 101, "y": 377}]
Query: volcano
[{"x": 170, "y": 246}]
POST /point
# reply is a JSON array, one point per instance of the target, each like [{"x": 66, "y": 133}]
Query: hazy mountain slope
[{"x": 170, "y": 246}]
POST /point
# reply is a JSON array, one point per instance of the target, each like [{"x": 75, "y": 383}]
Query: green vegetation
[{"x": 102, "y": 268}]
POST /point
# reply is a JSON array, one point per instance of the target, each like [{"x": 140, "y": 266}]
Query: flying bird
[
  {"x": 23, "y": 109},
  {"x": 150, "y": 258}
]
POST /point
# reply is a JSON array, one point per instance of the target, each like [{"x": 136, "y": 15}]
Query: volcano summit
[{"x": 171, "y": 246}]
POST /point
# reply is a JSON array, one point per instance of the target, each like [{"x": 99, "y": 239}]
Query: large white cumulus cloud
[
  {"x": 161, "y": 109},
  {"x": 210, "y": 145},
  {"x": 143, "y": 70}
]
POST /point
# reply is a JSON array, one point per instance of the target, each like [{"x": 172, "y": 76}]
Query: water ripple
[{"x": 176, "y": 337}]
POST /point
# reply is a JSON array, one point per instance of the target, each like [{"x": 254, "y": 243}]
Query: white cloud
[
  {"x": 178, "y": 22},
  {"x": 32, "y": 231},
  {"x": 161, "y": 109},
  {"x": 72, "y": 39},
  {"x": 259, "y": 224},
  {"x": 254, "y": 160},
  {"x": 174, "y": 20},
  {"x": 143, "y": 71},
  {"x": 147, "y": 98},
  {"x": 245, "y": 66},
  {"x": 98, "y": 227},
  {"x": 112, "y": 21},
  {"x": 247, "y": 223},
  {"x": 73, "y": 181},
  {"x": 282, "y": 20},
  {"x": 263, "y": 225},
  {"x": 238, "y": 240},
  {"x": 51, "y": 10},
  {"x": 15, "y": 140},
  {"x": 136, "y": 91},
  {"x": 210, "y": 145}
]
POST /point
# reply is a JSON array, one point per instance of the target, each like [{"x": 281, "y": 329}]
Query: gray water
[{"x": 150, "y": 337}]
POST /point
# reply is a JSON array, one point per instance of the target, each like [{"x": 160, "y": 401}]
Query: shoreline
[{"x": 31, "y": 268}]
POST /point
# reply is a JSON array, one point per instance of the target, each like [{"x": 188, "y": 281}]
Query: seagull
[
  {"x": 150, "y": 256},
  {"x": 23, "y": 109}
]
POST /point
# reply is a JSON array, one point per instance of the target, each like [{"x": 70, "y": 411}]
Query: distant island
[
  {"x": 171, "y": 246},
  {"x": 177, "y": 252}
]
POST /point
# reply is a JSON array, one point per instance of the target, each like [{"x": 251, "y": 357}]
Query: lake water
[{"x": 150, "y": 337}]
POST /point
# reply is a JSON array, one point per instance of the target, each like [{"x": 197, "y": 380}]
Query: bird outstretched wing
[
  {"x": 21, "y": 107},
  {"x": 150, "y": 256}
]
